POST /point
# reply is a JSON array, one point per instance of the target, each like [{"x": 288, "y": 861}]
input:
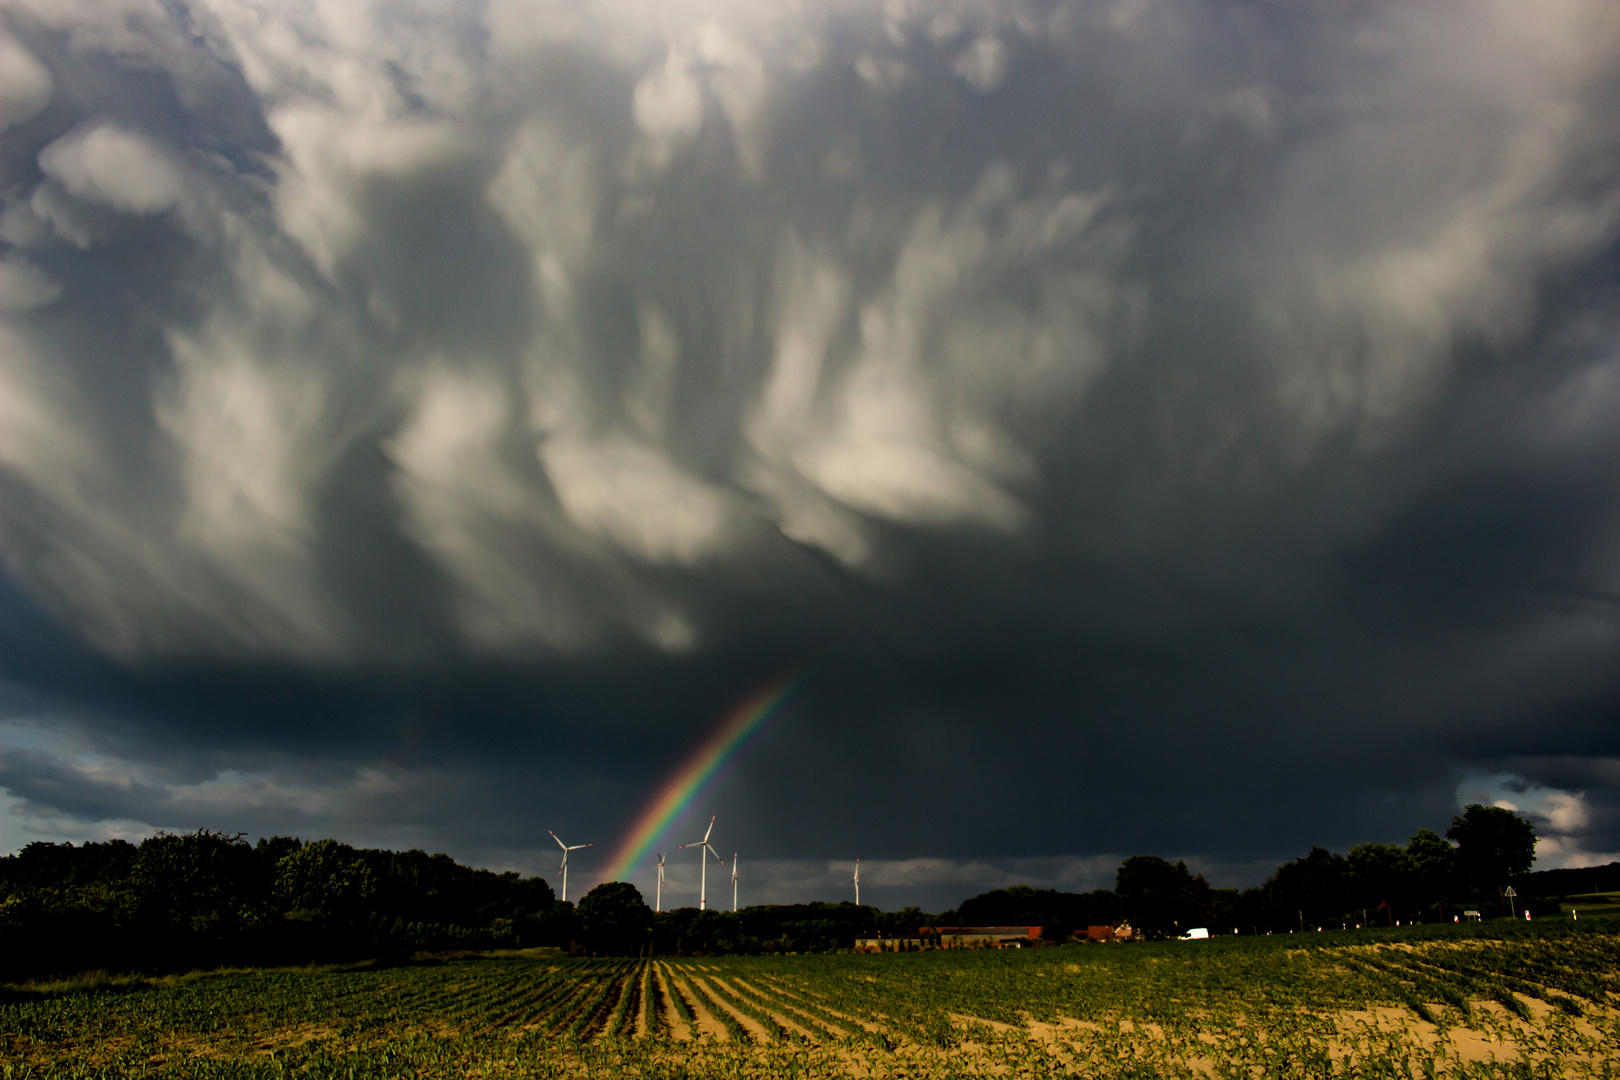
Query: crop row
[{"x": 1289, "y": 1006}]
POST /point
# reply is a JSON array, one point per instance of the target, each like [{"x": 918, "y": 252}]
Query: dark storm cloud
[{"x": 1181, "y": 426}]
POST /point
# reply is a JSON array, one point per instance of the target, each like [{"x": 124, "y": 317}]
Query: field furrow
[
  {"x": 791, "y": 1015},
  {"x": 743, "y": 1027},
  {"x": 1344, "y": 1007},
  {"x": 673, "y": 1012},
  {"x": 705, "y": 1020},
  {"x": 773, "y": 1016}
]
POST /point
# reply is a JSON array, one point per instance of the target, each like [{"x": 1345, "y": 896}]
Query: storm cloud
[{"x": 1175, "y": 426}]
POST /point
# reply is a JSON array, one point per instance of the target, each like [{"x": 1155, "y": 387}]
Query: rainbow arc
[{"x": 698, "y": 773}]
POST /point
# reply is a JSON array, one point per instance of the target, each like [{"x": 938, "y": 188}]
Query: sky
[{"x": 1186, "y": 427}]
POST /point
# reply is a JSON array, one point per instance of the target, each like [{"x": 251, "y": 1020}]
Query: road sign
[{"x": 1508, "y": 892}]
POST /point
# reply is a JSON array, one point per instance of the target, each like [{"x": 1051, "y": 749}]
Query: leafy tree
[
  {"x": 1434, "y": 868},
  {"x": 1380, "y": 876},
  {"x": 271, "y": 850},
  {"x": 1200, "y": 899},
  {"x": 207, "y": 882},
  {"x": 1310, "y": 889},
  {"x": 1153, "y": 894},
  {"x": 1493, "y": 846},
  {"x": 1055, "y": 932},
  {"x": 326, "y": 882},
  {"x": 615, "y": 920},
  {"x": 51, "y": 866},
  {"x": 1020, "y": 905}
]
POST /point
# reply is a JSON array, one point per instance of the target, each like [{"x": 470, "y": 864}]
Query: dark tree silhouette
[
  {"x": 615, "y": 920},
  {"x": 1153, "y": 894},
  {"x": 1493, "y": 846},
  {"x": 1310, "y": 889},
  {"x": 1434, "y": 869},
  {"x": 1380, "y": 876}
]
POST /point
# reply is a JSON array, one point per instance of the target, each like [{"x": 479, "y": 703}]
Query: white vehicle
[{"x": 1197, "y": 933}]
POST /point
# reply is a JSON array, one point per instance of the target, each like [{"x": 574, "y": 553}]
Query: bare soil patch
[
  {"x": 707, "y": 1024},
  {"x": 714, "y": 1001},
  {"x": 739, "y": 989},
  {"x": 678, "y": 1029}
]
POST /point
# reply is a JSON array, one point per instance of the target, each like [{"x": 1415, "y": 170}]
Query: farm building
[
  {"x": 954, "y": 937},
  {"x": 979, "y": 937}
]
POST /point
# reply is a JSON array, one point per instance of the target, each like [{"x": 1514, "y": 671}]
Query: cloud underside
[{"x": 1223, "y": 395}]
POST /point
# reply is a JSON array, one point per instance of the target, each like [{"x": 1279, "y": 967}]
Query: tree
[
  {"x": 1310, "y": 889},
  {"x": 1380, "y": 876},
  {"x": 614, "y": 919},
  {"x": 1434, "y": 868},
  {"x": 326, "y": 882},
  {"x": 1152, "y": 893},
  {"x": 205, "y": 882},
  {"x": 1493, "y": 845}
]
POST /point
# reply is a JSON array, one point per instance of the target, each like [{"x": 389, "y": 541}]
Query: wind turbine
[
  {"x": 658, "y": 905},
  {"x": 566, "y": 850},
  {"x": 733, "y": 881},
  {"x": 703, "y": 880},
  {"x": 857, "y": 883}
]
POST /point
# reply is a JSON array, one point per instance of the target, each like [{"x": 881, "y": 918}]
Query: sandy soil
[
  {"x": 639, "y": 1026},
  {"x": 715, "y": 1003},
  {"x": 821, "y": 1003},
  {"x": 707, "y": 1024},
  {"x": 789, "y": 1016}
]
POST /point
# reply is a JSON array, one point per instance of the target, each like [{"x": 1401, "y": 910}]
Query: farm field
[{"x": 1464, "y": 1002}]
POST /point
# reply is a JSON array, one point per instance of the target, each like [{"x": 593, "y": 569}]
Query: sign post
[{"x": 1510, "y": 894}]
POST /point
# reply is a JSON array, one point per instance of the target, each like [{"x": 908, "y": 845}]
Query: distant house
[{"x": 1122, "y": 932}]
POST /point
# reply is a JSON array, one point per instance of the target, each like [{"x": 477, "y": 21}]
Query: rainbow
[{"x": 698, "y": 773}]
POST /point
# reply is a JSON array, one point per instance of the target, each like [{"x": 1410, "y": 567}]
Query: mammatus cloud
[
  {"x": 103, "y": 164},
  {"x": 1239, "y": 380},
  {"x": 25, "y": 84}
]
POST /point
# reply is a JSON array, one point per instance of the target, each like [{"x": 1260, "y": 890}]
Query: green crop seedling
[{"x": 1514, "y": 1001}]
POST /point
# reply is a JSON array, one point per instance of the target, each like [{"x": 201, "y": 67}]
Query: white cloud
[
  {"x": 253, "y": 446},
  {"x": 1403, "y": 231},
  {"x": 24, "y": 286},
  {"x": 983, "y": 64},
  {"x": 121, "y": 169},
  {"x": 668, "y": 105},
  {"x": 630, "y": 493},
  {"x": 884, "y": 74},
  {"x": 914, "y": 427},
  {"x": 468, "y": 507},
  {"x": 871, "y": 340},
  {"x": 25, "y": 83},
  {"x": 546, "y": 192}
]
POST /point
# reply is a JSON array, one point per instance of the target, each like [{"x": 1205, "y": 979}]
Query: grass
[{"x": 1493, "y": 1000}]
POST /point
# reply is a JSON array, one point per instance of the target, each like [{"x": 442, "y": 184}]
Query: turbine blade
[
  {"x": 557, "y": 838},
  {"x": 710, "y": 829}
]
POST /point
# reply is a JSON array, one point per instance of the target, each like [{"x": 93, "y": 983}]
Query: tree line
[
  {"x": 203, "y": 899},
  {"x": 1431, "y": 878},
  {"x": 179, "y": 901}
]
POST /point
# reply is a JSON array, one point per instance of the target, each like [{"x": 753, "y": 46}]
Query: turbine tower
[
  {"x": 703, "y": 879},
  {"x": 658, "y": 905},
  {"x": 733, "y": 881},
  {"x": 857, "y": 883},
  {"x": 566, "y": 850}
]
